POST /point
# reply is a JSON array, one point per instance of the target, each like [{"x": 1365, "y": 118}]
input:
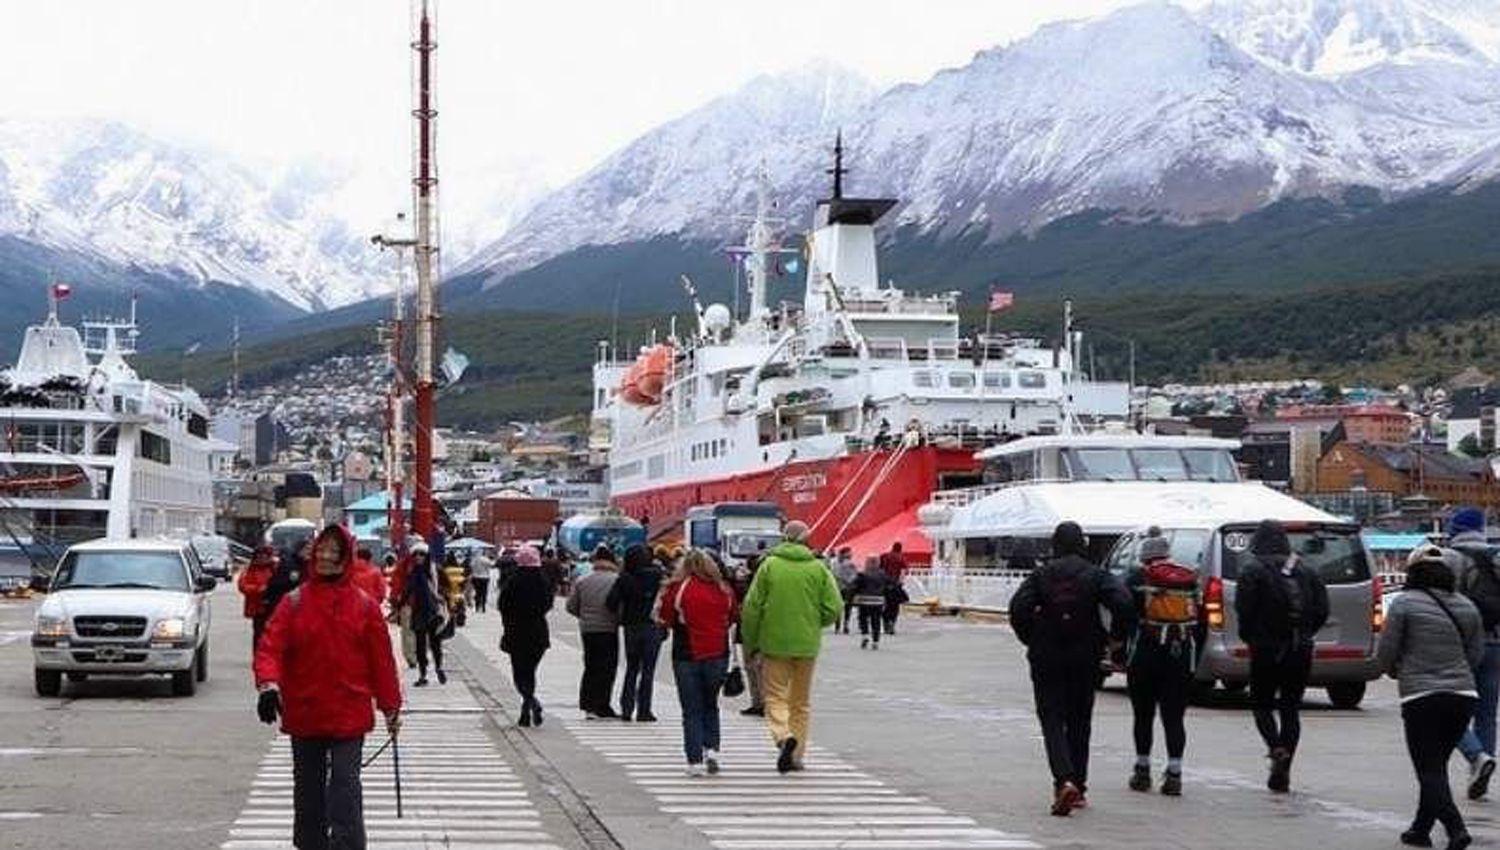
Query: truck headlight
[
  {"x": 51, "y": 627},
  {"x": 172, "y": 628}
]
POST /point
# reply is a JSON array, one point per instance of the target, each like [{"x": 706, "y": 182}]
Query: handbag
[{"x": 734, "y": 683}]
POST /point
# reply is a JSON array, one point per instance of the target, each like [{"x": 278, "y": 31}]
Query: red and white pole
[{"x": 424, "y": 191}]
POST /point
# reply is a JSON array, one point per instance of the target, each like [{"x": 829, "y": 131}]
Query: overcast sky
[{"x": 550, "y": 86}]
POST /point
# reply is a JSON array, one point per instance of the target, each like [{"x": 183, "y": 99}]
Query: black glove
[{"x": 269, "y": 705}]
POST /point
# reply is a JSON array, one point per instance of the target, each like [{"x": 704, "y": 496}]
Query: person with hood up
[
  {"x": 291, "y": 567},
  {"x": 1055, "y": 612},
  {"x": 523, "y": 602},
  {"x": 791, "y": 600},
  {"x": 867, "y": 593},
  {"x": 1474, "y": 565},
  {"x": 1161, "y": 656},
  {"x": 324, "y": 658},
  {"x": 844, "y": 572},
  {"x": 698, "y": 605},
  {"x": 427, "y": 611},
  {"x": 599, "y": 629},
  {"x": 1432, "y": 640},
  {"x": 366, "y": 576},
  {"x": 1281, "y": 605},
  {"x": 631, "y": 599},
  {"x": 252, "y": 585},
  {"x": 893, "y": 563}
]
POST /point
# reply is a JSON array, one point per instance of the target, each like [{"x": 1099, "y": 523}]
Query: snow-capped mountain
[{"x": 1181, "y": 113}]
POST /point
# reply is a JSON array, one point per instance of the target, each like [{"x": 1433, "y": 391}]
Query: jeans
[
  {"x": 870, "y": 619},
  {"x": 1158, "y": 680},
  {"x": 523, "y": 673},
  {"x": 1065, "y": 706},
  {"x": 1278, "y": 677},
  {"x": 698, "y": 684},
  {"x": 642, "y": 644},
  {"x": 327, "y": 799},
  {"x": 1434, "y": 724},
  {"x": 788, "y": 693},
  {"x": 1480, "y": 737},
  {"x": 601, "y": 656}
]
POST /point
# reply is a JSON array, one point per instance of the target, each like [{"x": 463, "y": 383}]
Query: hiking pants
[
  {"x": 1158, "y": 680},
  {"x": 1278, "y": 677},
  {"x": 870, "y": 620},
  {"x": 601, "y": 658},
  {"x": 1434, "y": 724},
  {"x": 642, "y": 645},
  {"x": 327, "y": 799},
  {"x": 788, "y": 685},
  {"x": 1065, "y": 706},
  {"x": 1479, "y": 739}
]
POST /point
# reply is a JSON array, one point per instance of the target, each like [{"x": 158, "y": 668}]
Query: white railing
[
  {"x": 972, "y": 589},
  {"x": 960, "y": 496}
]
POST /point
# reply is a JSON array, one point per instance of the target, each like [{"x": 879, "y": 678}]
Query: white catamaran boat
[{"x": 89, "y": 449}]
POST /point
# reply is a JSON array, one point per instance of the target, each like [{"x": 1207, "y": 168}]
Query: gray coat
[
  {"x": 1422, "y": 650},
  {"x": 1463, "y": 566},
  {"x": 589, "y": 602}
]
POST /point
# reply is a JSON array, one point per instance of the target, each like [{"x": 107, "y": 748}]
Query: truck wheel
[
  {"x": 48, "y": 683},
  {"x": 185, "y": 682},
  {"x": 78, "y": 677},
  {"x": 1346, "y": 694},
  {"x": 200, "y": 663}
]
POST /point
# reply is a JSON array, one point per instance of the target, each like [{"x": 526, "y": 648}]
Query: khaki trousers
[{"x": 788, "y": 693}]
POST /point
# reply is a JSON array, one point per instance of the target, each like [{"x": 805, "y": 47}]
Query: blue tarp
[{"x": 1380, "y": 541}]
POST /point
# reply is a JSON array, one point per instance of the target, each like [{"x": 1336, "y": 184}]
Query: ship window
[
  {"x": 961, "y": 380},
  {"x": 1210, "y": 465},
  {"x": 1101, "y": 465},
  {"x": 656, "y": 466},
  {"x": 1159, "y": 464},
  {"x": 921, "y": 378},
  {"x": 155, "y": 447},
  {"x": 996, "y": 380},
  {"x": 1032, "y": 380}
]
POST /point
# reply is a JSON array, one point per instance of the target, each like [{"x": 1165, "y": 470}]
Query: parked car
[
  {"x": 1344, "y": 652},
  {"x": 124, "y": 607}
]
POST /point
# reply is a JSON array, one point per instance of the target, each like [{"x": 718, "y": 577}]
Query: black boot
[{"x": 525, "y": 715}]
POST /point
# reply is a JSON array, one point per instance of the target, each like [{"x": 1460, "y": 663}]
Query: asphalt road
[{"x": 940, "y": 715}]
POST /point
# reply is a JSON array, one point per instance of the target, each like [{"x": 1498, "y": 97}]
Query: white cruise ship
[{"x": 89, "y": 449}]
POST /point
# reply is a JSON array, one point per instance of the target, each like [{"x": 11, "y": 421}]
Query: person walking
[
  {"x": 1161, "y": 656},
  {"x": 631, "y": 599},
  {"x": 600, "y": 633},
  {"x": 893, "y": 563},
  {"x": 1055, "y": 613},
  {"x": 292, "y": 565},
  {"x": 523, "y": 603},
  {"x": 252, "y": 585},
  {"x": 867, "y": 593},
  {"x": 1473, "y": 563},
  {"x": 399, "y": 574},
  {"x": 698, "y": 606},
  {"x": 325, "y": 656},
  {"x": 427, "y": 611},
  {"x": 792, "y": 599},
  {"x": 744, "y": 577},
  {"x": 844, "y": 572},
  {"x": 454, "y": 580},
  {"x": 479, "y": 577},
  {"x": 1432, "y": 640},
  {"x": 367, "y": 577},
  {"x": 1281, "y": 605}
]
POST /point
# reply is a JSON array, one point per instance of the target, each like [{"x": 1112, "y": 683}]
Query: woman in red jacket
[
  {"x": 252, "y": 585},
  {"x": 325, "y": 656},
  {"x": 698, "y": 607}
]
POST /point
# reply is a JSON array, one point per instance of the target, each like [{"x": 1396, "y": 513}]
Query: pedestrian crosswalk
[{"x": 456, "y": 789}]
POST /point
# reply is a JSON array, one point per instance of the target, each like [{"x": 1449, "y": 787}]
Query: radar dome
[{"x": 717, "y": 318}]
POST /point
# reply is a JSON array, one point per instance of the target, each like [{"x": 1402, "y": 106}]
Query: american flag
[{"x": 1001, "y": 301}]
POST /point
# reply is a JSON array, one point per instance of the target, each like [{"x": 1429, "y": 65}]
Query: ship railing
[
  {"x": 983, "y": 589},
  {"x": 961, "y": 496}
]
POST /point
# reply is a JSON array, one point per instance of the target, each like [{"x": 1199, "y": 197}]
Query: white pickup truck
[{"x": 124, "y": 607}]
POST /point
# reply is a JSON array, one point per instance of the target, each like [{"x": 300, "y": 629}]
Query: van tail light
[
  {"x": 1213, "y": 603},
  {"x": 1377, "y": 608}
]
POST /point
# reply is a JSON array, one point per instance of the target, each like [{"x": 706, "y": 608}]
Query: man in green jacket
[{"x": 793, "y": 598}]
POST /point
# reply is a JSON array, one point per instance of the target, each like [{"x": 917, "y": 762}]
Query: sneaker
[
  {"x": 787, "y": 756},
  {"x": 1065, "y": 798},
  {"x": 1280, "y": 777},
  {"x": 711, "y": 760},
  {"x": 525, "y": 721},
  {"x": 1171, "y": 784},
  {"x": 1460, "y": 841},
  {"x": 1479, "y": 776},
  {"x": 536, "y": 714},
  {"x": 1140, "y": 778},
  {"x": 695, "y": 770},
  {"x": 754, "y": 711}
]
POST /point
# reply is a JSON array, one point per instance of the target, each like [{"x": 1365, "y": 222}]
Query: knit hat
[
  {"x": 1466, "y": 519},
  {"x": 528, "y": 556},
  {"x": 1155, "y": 547}
]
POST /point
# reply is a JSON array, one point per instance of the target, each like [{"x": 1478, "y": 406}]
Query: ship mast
[
  {"x": 424, "y": 203},
  {"x": 395, "y": 403},
  {"x": 760, "y": 245}
]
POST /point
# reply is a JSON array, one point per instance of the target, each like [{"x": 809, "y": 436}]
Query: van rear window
[{"x": 1337, "y": 554}]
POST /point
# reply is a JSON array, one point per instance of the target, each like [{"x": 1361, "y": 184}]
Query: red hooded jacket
[
  {"x": 327, "y": 649},
  {"x": 700, "y": 623},
  {"x": 254, "y": 580},
  {"x": 367, "y": 577}
]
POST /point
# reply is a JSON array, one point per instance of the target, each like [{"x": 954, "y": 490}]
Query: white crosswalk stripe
[{"x": 457, "y": 792}]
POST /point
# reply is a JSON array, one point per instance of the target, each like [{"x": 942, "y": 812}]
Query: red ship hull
[{"x": 846, "y": 500}]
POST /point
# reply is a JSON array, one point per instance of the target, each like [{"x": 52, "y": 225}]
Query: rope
[
  {"x": 844, "y": 492},
  {"x": 885, "y": 472}
]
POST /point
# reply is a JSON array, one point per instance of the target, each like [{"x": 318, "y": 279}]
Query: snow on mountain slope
[{"x": 1157, "y": 110}]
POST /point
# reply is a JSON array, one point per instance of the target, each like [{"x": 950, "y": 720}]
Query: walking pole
[{"x": 396, "y": 760}]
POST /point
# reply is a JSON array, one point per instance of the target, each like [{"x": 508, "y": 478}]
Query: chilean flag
[
  {"x": 61, "y": 291},
  {"x": 1000, "y": 301}
]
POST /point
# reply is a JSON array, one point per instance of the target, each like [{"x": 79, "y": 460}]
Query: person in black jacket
[
  {"x": 1281, "y": 605},
  {"x": 1055, "y": 612},
  {"x": 632, "y": 598},
  {"x": 290, "y": 568},
  {"x": 523, "y": 603}
]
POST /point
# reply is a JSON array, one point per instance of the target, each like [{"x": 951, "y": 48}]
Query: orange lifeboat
[{"x": 643, "y": 383}]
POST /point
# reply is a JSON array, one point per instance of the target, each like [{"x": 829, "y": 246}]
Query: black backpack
[
  {"x": 1068, "y": 609},
  {"x": 1483, "y": 585}
]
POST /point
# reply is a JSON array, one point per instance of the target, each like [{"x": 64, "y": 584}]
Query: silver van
[{"x": 1344, "y": 653}]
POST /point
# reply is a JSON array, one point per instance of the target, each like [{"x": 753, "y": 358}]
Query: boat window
[
  {"x": 961, "y": 380},
  {"x": 1159, "y": 465},
  {"x": 1008, "y": 468},
  {"x": 1032, "y": 380},
  {"x": 996, "y": 380},
  {"x": 1210, "y": 465},
  {"x": 921, "y": 379},
  {"x": 159, "y": 570},
  {"x": 1101, "y": 465},
  {"x": 1336, "y": 553}
]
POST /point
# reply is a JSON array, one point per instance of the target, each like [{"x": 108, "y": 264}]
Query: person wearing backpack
[
  {"x": 1281, "y": 605},
  {"x": 1432, "y": 639},
  {"x": 1055, "y": 613},
  {"x": 1161, "y": 656},
  {"x": 1473, "y": 563}
]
